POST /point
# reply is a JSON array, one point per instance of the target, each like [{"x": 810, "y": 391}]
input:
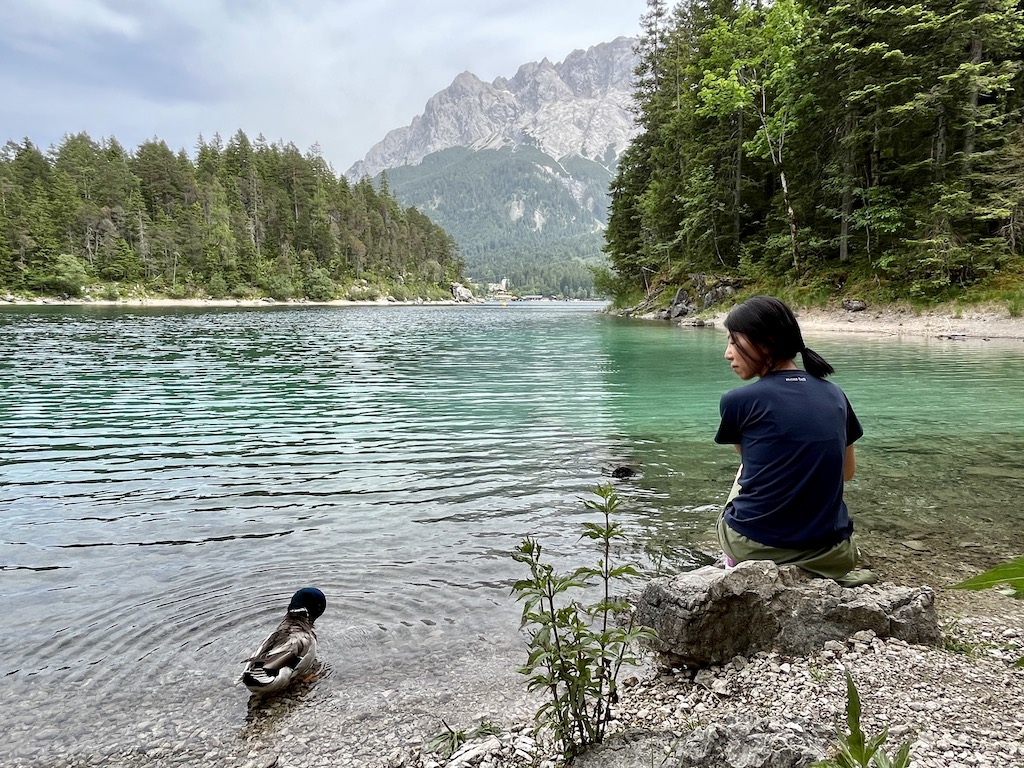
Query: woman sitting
[{"x": 794, "y": 432}]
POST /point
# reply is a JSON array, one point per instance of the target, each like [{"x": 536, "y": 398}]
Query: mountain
[{"x": 517, "y": 170}]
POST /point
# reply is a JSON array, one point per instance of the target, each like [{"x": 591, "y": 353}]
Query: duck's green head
[{"x": 309, "y": 599}]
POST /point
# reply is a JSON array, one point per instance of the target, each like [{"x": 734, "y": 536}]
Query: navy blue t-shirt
[{"x": 793, "y": 430}]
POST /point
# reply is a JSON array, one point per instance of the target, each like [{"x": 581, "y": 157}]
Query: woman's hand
[{"x": 849, "y": 464}]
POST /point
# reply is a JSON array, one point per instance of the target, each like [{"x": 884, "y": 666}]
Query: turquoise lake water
[{"x": 171, "y": 476}]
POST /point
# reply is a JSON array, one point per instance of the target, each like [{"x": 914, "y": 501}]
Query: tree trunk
[
  {"x": 738, "y": 190},
  {"x": 257, "y": 233},
  {"x": 875, "y": 161},
  {"x": 89, "y": 234},
  {"x": 846, "y": 209},
  {"x": 972, "y": 109},
  {"x": 791, "y": 214},
  {"x": 142, "y": 237},
  {"x": 775, "y": 149},
  {"x": 940, "y": 145},
  {"x": 844, "y": 223}
]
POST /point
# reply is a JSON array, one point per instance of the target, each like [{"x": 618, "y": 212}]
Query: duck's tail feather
[{"x": 258, "y": 677}]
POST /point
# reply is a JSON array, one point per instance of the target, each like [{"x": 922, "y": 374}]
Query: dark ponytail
[
  {"x": 770, "y": 326},
  {"x": 815, "y": 364}
]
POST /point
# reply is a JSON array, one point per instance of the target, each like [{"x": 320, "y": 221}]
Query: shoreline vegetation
[
  {"x": 824, "y": 147},
  {"x": 382, "y": 300}
]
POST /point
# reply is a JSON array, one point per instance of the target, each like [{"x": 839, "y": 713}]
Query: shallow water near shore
[{"x": 171, "y": 476}]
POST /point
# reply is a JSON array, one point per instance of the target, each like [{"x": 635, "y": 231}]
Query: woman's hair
[{"x": 771, "y": 328}]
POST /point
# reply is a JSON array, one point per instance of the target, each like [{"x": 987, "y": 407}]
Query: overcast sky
[{"x": 338, "y": 73}]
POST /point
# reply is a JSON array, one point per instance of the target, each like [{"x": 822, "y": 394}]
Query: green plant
[
  {"x": 486, "y": 728},
  {"x": 280, "y": 287},
  {"x": 362, "y": 291},
  {"x": 577, "y": 650},
  {"x": 818, "y": 674},
  {"x": 1007, "y": 578},
  {"x": 242, "y": 290},
  {"x": 67, "y": 275},
  {"x": 853, "y": 750},
  {"x": 217, "y": 286},
  {"x": 319, "y": 286},
  {"x": 447, "y": 742},
  {"x": 953, "y": 641},
  {"x": 176, "y": 291}
]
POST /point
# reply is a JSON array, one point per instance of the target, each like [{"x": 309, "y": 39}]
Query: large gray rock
[
  {"x": 711, "y": 615},
  {"x": 461, "y": 292}
]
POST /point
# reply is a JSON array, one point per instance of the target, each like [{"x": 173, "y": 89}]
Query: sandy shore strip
[
  {"x": 969, "y": 324},
  {"x": 200, "y": 303}
]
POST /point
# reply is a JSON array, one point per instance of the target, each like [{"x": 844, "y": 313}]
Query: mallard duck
[{"x": 290, "y": 650}]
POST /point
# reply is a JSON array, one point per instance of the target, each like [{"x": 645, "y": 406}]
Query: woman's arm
[{"x": 849, "y": 464}]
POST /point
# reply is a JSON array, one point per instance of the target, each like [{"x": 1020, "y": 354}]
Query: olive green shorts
[{"x": 832, "y": 562}]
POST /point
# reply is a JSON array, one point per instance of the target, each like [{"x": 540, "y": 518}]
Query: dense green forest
[
  {"x": 240, "y": 220},
  {"x": 518, "y": 214},
  {"x": 562, "y": 266},
  {"x": 877, "y": 146}
]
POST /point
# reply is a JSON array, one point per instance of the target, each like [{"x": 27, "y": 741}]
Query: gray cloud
[{"x": 333, "y": 72}]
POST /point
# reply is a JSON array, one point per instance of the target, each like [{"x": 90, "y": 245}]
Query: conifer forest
[
  {"x": 798, "y": 142},
  {"x": 243, "y": 219}
]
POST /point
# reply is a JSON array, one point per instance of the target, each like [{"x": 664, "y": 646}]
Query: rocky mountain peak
[{"x": 578, "y": 106}]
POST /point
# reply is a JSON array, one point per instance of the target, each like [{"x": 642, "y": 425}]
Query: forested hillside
[
  {"x": 826, "y": 144},
  {"x": 242, "y": 219},
  {"x": 516, "y": 213}
]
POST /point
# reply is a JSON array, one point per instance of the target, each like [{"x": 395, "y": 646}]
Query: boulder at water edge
[{"x": 711, "y": 615}]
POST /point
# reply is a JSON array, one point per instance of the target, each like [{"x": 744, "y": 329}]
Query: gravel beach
[{"x": 978, "y": 323}]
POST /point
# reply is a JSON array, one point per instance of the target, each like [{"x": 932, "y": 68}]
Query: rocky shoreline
[
  {"x": 980, "y": 323},
  {"x": 960, "y": 705}
]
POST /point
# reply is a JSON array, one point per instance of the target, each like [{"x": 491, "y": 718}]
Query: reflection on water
[{"x": 170, "y": 477}]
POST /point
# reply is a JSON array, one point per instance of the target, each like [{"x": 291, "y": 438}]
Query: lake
[{"x": 171, "y": 476}]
